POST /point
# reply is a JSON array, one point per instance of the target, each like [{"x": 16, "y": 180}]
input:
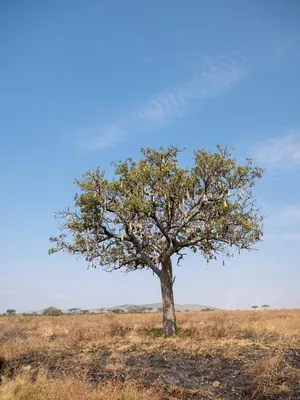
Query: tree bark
[{"x": 166, "y": 281}]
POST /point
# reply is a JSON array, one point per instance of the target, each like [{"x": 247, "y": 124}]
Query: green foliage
[
  {"x": 52, "y": 312},
  {"x": 154, "y": 209},
  {"x": 10, "y": 311},
  {"x": 117, "y": 311}
]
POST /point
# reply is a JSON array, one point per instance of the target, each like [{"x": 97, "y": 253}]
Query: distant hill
[
  {"x": 156, "y": 306},
  {"x": 153, "y": 307}
]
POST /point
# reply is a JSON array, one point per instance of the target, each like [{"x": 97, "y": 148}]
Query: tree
[
  {"x": 254, "y": 308},
  {"x": 117, "y": 311},
  {"x": 10, "y": 311},
  {"x": 153, "y": 210},
  {"x": 52, "y": 312},
  {"x": 74, "y": 310},
  {"x": 265, "y": 306}
]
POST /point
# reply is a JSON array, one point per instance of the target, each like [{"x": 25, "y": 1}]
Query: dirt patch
[
  {"x": 192, "y": 373},
  {"x": 292, "y": 356},
  {"x": 3, "y": 366}
]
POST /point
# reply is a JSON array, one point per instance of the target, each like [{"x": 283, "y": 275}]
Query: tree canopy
[
  {"x": 52, "y": 312},
  {"x": 11, "y": 311}
]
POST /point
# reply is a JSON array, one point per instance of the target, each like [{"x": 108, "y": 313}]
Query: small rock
[{"x": 216, "y": 384}]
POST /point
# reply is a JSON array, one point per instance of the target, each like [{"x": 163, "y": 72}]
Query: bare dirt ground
[{"x": 216, "y": 355}]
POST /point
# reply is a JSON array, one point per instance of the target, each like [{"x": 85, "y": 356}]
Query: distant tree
[
  {"x": 35, "y": 314},
  {"x": 10, "y": 311},
  {"x": 265, "y": 306},
  {"x": 117, "y": 311},
  {"x": 139, "y": 309},
  {"x": 132, "y": 310},
  {"x": 52, "y": 312},
  {"x": 152, "y": 210},
  {"x": 74, "y": 310},
  {"x": 254, "y": 307},
  {"x": 85, "y": 311},
  {"x": 142, "y": 309}
]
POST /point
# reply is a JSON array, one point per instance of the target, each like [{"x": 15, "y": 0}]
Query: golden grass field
[{"x": 216, "y": 355}]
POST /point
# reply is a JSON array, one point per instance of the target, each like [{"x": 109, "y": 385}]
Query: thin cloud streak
[
  {"x": 101, "y": 137},
  {"x": 280, "y": 152},
  {"x": 212, "y": 79},
  {"x": 206, "y": 84},
  {"x": 286, "y": 222},
  {"x": 291, "y": 212},
  {"x": 289, "y": 215},
  {"x": 291, "y": 236}
]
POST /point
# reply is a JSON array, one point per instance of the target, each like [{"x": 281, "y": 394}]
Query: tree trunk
[{"x": 166, "y": 281}]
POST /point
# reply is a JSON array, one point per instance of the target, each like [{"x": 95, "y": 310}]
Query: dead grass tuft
[
  {"x": 271, "y": 377},
  {"x": 22, "y": 388}
]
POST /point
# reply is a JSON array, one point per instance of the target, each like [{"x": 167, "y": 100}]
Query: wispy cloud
[
  {"x": 284, "y": 236},
  {"x": 100, "y": 137},
  {"x": 279, "y": 152},
  {"x": 291, "y": 236},
  {"x": 291, "y": 213},
  {"x": 287, "y": 216},
  {"x": 206, "y": 82},
  {"x": 285, "y": 223}
]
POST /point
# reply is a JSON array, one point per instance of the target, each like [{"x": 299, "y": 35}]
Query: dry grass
[
  {"x": 22, "y": 388},
  {"x": 94, "y": 357},
  {"x": 272, "y": 376}
]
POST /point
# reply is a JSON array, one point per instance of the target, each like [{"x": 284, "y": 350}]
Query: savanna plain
[{"x": 215, "y": 355}]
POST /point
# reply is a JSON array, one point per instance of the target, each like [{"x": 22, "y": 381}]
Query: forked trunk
[{"x": 166, "y": 281}]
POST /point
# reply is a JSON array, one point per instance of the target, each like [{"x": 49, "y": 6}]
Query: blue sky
[{"x": 86, "y": 83}]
